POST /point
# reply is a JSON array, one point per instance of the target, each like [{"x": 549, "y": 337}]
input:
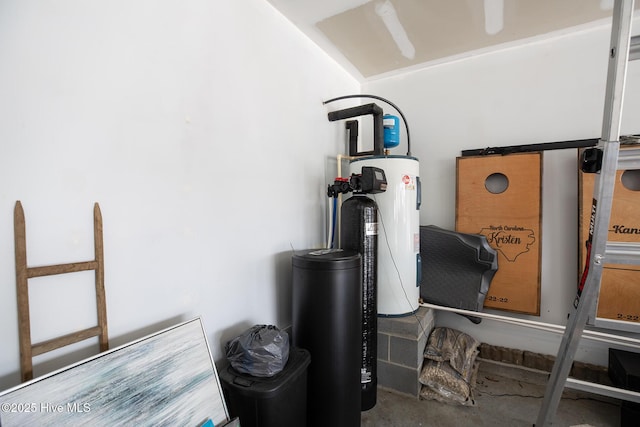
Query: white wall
[
  {"x": 198, "y": 127},
  {"x": 547, "y": 91}
]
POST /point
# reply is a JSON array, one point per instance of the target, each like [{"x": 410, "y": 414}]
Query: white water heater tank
[{"x": 398, "y": 233}]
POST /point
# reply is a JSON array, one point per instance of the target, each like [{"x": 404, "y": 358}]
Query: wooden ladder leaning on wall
[{"x": 23, "y": 273}]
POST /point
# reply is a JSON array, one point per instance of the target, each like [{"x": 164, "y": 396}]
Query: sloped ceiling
[{"x": 377, "y": 37}]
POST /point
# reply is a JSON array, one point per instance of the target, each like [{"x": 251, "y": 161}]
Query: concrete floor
[{"x": 504, "y": 396}]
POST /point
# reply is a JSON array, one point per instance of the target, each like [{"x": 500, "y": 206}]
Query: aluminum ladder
[{"x": 623, "y": 48}]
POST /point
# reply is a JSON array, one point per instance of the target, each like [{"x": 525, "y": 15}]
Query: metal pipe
[
  {"x": 549, "y": 327},
  {"x": 378, "y": 126}
]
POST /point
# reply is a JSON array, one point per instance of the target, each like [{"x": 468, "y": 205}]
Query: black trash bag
[{"x": 261, "y": 351}]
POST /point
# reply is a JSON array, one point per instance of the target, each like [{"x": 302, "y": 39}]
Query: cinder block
[
  {"x": 383, "y": 347},
  {"x": 399, "y": 378},
  {"x": 412, "y": 325},
  {"x": 401, "y": 343},
  {"x": 407, "y": 352}
]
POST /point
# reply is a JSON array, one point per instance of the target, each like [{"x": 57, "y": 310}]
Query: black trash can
[
  {"x": 277, "y": 401},
  {"x": 327, "y": 321}
]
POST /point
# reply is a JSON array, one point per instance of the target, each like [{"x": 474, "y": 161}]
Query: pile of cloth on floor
[{"x": 450, "y": 368}]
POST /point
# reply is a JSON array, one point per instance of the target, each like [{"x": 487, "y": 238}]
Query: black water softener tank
[
  {"x": 359, "y": 232},
  {"x": 327, "y": 307}
]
